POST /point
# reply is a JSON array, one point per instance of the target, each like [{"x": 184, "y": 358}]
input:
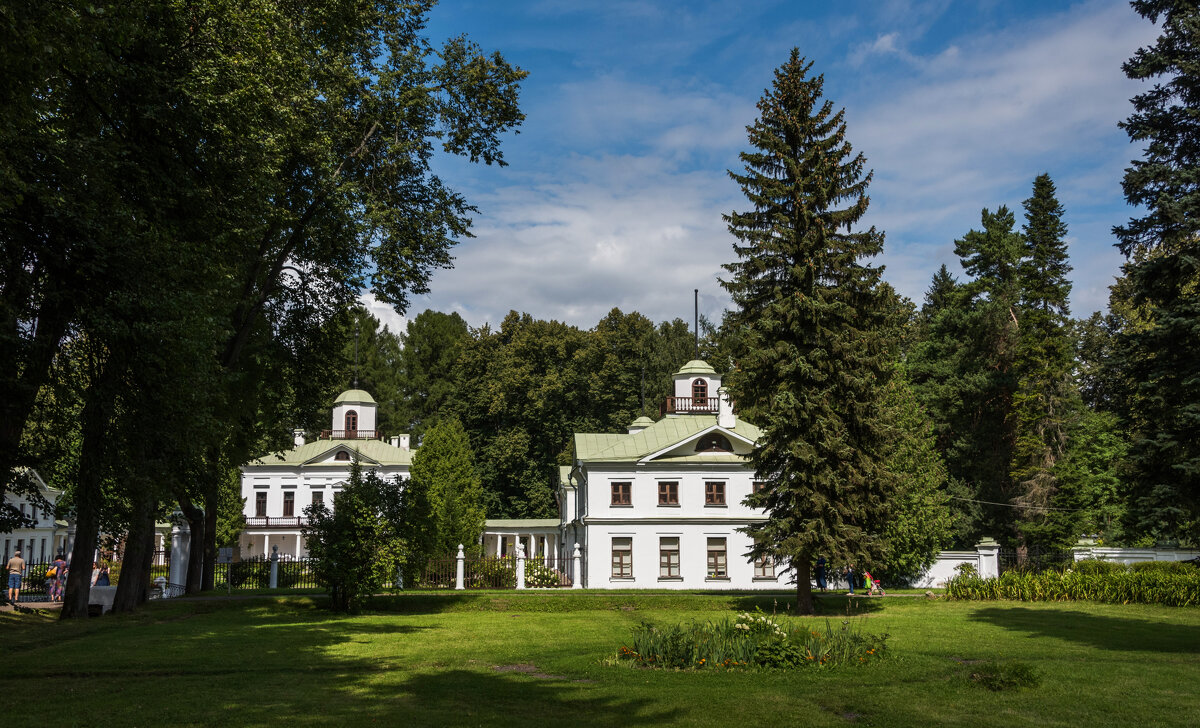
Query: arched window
[
  {"x": 342, "y": 455},
  {"x": 351, "y": 423},
  {"x": 700, "y": 393},
  {"x": 714, "y": 442}
]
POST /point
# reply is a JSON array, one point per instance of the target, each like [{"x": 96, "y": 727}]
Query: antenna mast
[
  {"x": 696, "y": 293},
  {"x": 356, "y": 326},
  {"x": 643, "y": 390}
]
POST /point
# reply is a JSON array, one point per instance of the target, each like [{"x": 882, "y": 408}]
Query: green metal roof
[
  {"x": 564, "y": 474},
  {"x": 521, "y": 523},
  {"x": 370, "y": 450},
  {"x": 659, "y": 436},
  {"x": 697, "y": 366},
  {"x": 642, "y": 421},
  {"x": 354, "y": 396}
]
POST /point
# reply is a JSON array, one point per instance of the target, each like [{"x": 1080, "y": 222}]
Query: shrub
[
  {"x": 494, "y": 573},
  {"x": 1164, "y": 567},
  {"x": 997, "y": 676},
  {"x": 1117, "y": 587},
  {"x": 966, "y": 569},
  {"x": 750, "y": 640},
  {"x": 539, "y": 575},
  {"x": 1096, "y": 566}
]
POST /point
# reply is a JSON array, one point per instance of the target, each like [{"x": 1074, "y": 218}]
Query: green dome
[
  {"x": 696, "y": 366},
  {"x": 354, "y": 396}
]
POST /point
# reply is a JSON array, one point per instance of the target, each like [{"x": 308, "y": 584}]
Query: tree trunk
[
  {"x": 139, "y": 553},
  {"x": 89, "y": 493},
  {"x": 804, "y": 598},
  {"x": 208, "y": 547}
]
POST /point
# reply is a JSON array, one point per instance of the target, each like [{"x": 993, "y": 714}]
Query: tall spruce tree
[
  {"x": 1163, "y": 247},
  {"x": 813, "y": 317},
  {"x": 1046, "y": 396}
]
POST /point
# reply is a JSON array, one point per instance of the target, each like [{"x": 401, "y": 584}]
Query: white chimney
[
  {"x": 403, "y": 442},
  {"x": 299, "y": 437},
  {"x": 396, "y": 441},
  {"x": 725, "y": 416}
]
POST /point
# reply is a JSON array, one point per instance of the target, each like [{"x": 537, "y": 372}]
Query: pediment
[{"x": 687, "y": 447}]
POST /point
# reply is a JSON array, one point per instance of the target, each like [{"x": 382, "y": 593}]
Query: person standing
[
  {"x": 60, "y": 578},
  {"x": 850, "y": 578},
  {"x": 16, "y": 569},
  {"x": 821, "y": 583}
]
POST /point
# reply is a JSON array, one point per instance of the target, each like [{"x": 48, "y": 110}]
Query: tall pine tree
[
  {"x": 814, "y": 319},
  {"x": 1046, "y": 396},
  {"x": 1163, "y": 246}
]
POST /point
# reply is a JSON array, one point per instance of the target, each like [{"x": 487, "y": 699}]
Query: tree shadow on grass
[
  {"x": 464, "y": 697},
  {"x": 1104, "y": 632}
]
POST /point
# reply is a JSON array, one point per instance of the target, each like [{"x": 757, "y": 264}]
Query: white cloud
[{"x": 384, "y": 312}]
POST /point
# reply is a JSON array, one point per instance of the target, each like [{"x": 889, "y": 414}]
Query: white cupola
[
  {"x": 696, "y": 386},
  {"x": 354, "y": 416}
]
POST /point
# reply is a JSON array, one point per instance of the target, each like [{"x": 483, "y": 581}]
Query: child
[{"x": 872, "y": 585}]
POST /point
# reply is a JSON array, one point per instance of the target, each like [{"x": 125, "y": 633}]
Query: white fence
[{"x": 985, "y": 560}]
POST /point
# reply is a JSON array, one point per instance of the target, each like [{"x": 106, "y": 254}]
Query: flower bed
[{"x": 752, "y": 640}]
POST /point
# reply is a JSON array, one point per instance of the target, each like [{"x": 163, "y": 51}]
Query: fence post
[
  {"x": 275, "y": 567},
  {"x": 576, "y": 569},
  {"x": 989, "y": 558},
  {"x": 458, "y": 573},
  {"x": 520, "y": 565}
]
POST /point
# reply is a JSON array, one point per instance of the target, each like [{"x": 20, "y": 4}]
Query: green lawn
[{"x": 537, "y": 659}]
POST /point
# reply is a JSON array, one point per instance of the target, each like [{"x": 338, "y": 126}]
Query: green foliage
[
  {"x": 444, "y": 470},
  {"x": 379, "y": 369},
  {"x": 752, "y": 640},
  {"x": 1115, "y": 587},
  {"x": 966, "y": 569},
  {"x": 432, "y": 343},
  {"x": 1163, "y": 272},
  {"x": 996, "y": 676},
  {"x": 523, "y": 390},
  {"x": 358, "y": 546},
  {"x": 814, "y": 322},
  {"x": 1164, "y": 567},
  {"x": 538, "y": 575},
  {"x": 922, "y": 521},
  {"x": 1098, "y": 566}
]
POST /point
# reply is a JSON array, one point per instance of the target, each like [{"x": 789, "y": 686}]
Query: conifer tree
[
  {"x": 814, "y": 318},
  {"x": 1045, "y": 394},
  {"x": 1163, "y": 247},
  {"x": 444, "y": 469}
]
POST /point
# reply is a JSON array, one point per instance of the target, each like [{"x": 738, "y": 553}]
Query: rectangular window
[
  {"x": 716, "y": 559},
  {"x": 22, "y": 509},
  {"x": 668, "y": 494},
  {"x": 289, "y": 504},
  {"x": 714, "y": 493},
  {"x": 620, "y": 494},
  {"x": 764, "y": 567},
  {"x": 260, "y": 504},
  {"x": 318, "y": 497},
  {"x": 757, "y": 486},
  {"x": 668, "y": 558},
  {"x": 622, "y": 558},
  {"x": 43, "y": 558}
]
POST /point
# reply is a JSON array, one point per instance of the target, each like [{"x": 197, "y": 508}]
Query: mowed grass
[{"x": 529, "y": 659}]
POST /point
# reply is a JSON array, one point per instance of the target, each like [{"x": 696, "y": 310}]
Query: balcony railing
[
  {"x": 690, "y": 405},
  {"x": 275, "y": 521},
  {"x": 350, "y": 434}
]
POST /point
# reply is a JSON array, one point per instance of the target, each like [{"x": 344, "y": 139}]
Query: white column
[
  {"x": 989, "y": 558},
  {"x": 458, "y": 576},
  {"x": 520, "y": 564},
  {"x": 576, "y": 568}
]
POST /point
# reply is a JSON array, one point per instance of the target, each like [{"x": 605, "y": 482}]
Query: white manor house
[{"x": 657, "y": 507}]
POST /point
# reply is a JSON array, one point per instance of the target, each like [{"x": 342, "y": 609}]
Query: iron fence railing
[{"x": 1034, "y": 558}]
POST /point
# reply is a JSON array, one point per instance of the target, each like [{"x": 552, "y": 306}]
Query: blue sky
[{"x": 635, "y": 110}]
